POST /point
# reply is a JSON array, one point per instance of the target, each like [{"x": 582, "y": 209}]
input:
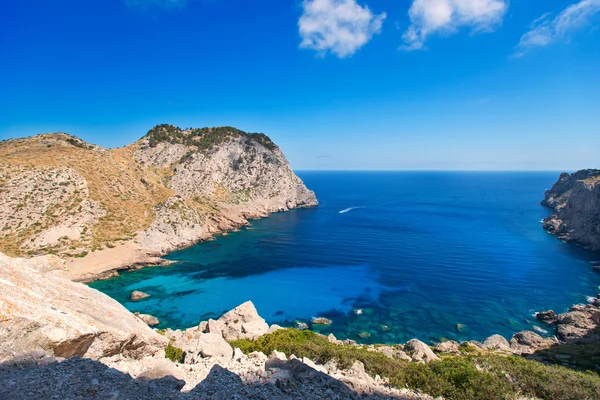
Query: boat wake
[{"x": 345, "y": 210}]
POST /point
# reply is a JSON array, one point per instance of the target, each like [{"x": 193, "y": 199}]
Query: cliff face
[
  {"x": 575, "y": 199},
  {"x": 170, "y": 189}
]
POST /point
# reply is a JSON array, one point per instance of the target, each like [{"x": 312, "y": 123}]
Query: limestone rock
[
  {"x": 419, "y": 351},
  {"x": 575, "y": 199},
  {"x": 496, "y": 342},
  {"x": 243, "y": 322},
  {"x": 136, "y": 295},
  {"x": 392, "y": 352},
  {"x": 527, "y": 342},
  {"x": 449, "y": 346},
  {"x": 148, "y": 319},
  {"x": 300, "y": 325},
  {"x": 44, "y": 311},
  {"x": 274, "y": 328}
]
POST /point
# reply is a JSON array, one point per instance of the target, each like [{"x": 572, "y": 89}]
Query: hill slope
[{"x": 172, "y": 188}]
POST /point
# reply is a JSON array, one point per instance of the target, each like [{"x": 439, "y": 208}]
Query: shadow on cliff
[{"x": 78, "y": 378}]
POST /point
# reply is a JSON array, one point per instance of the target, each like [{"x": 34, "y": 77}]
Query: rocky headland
[
  {"x": 105, "y": 210},
  {"x": 575, "y": 199}
]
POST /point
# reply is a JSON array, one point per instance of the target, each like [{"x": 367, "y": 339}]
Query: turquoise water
[{"x": 426, "y": 254}]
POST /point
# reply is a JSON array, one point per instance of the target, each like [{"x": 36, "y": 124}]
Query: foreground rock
[
  {"x": 528, "y": 342},
  {"x": 243, "y": 322},
  {"x": 41, "y": 311},
  {"x": 575, "y": 199},
  {"x": 419, "y": 351}
]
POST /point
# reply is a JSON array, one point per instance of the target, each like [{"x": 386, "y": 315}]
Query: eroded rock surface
[
  {"x": 41, "y": 311},
  {"x": 575, "y": 199}
]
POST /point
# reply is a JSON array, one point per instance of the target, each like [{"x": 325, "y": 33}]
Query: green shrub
[
  {"x": 465, "y": 377},
  {"x": 173, "y": 353}
]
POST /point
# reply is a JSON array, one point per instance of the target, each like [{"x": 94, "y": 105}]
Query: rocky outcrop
[
  {"x": 419, "y": 351},
  {"x": 42, "y": 311},
  {"x": 243, "y": 322},
  {"x": 496, "y": 342},
  {"x": 527, "y": 342},
  {"x": 575, "y": 199}
]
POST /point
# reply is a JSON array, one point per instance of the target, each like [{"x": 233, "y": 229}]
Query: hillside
[
  {"x": 575, "y": 199},
  {"x": 170, "y": 189}
]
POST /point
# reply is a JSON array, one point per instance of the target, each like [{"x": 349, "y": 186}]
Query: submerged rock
[
  {"x": 320, "y": 321},
  {"x": 136, "y": 295}
]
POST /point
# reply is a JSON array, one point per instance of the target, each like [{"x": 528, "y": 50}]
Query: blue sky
[{"x": 338, "y": 84}]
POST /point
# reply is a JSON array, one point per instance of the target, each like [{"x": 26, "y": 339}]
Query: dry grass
[{"x": 125, "y": 189}]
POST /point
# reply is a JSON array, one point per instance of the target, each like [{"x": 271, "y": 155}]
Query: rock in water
[
  {"x": 243, "y": 322},
  {"x": 148, "y": 319},
  {"x": 44, "y": 311},
  {"x": 320, "y": 321},
  {"x": 419, "y": 351},
  {"x": 136, "y": 295},
  {"x": 546, "y": 316}
]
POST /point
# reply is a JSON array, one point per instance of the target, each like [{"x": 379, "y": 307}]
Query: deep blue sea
[{"x": 426, "y": 255}]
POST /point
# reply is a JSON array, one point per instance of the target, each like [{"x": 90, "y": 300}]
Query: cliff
[
  {"x": 575, "y": 199},
  {"x": 171, "y": 189}
]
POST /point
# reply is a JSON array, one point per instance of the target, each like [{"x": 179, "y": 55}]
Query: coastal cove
[{"x": 431, "y": 255}]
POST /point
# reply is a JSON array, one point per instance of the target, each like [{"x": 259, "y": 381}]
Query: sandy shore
[{"x": 106, "y": 263}]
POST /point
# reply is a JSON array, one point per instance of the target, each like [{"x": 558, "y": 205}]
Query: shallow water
[{"x": 429, "y": 255}]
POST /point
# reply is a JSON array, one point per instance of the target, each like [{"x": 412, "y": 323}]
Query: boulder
[
  {"x": 243, "y": 322},
  {"x": 449, "y": 346},
  {"x": 527, "y": 342},
  {"x": 148, "y": 319},
  {"x": 419, "y": 351},
  {"x": 43, "y": 311},
  {"x": 274, "y": 328},
  {"x": 300, "y": 325},
  {"x": 164, "y": 370},
  {"x": 136, "y": 295},
  {"x": 496, "y": 342},
  {"x": 391, "y": 352},
  {"x": 546, "y": 316},
  {"x": 320, "y": 321}
]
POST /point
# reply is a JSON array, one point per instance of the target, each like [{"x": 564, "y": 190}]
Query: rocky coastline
[
  {"x": 112, "y": 210},
  {"x": 50, "y": 325},
  {"x": 575, "y": 201}
]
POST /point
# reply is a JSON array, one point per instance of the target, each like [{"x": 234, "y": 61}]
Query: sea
[{"x": 387, "y": 257}]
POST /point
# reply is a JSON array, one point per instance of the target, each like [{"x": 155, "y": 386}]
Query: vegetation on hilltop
[
  {"x": 202, "y": 138},
  {"x": 476, "y": 376}
]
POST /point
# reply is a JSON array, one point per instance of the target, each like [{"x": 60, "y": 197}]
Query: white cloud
[
  {"x": 446, "y": 16},
  {"x": 156, "y": 3},
  {"x": 546, "y": 30},
  {"x": 338, "y": 26}
]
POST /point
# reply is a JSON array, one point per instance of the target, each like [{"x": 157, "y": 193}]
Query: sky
[{"x": 338, "y": 84}]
